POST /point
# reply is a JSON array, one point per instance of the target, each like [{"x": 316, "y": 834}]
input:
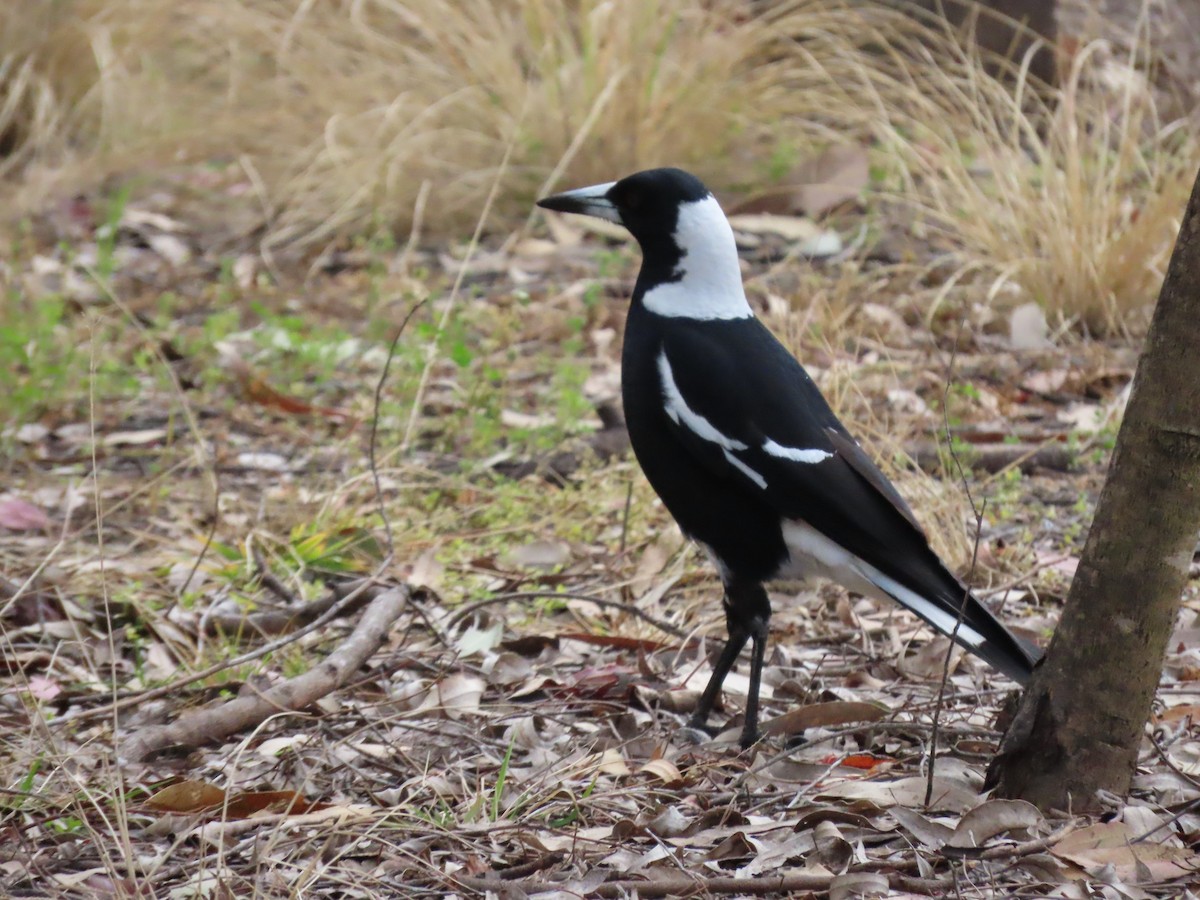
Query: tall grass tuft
[{"x": 341, "y": 113}]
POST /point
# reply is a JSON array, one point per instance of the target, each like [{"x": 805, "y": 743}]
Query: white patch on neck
[{"x": 711, "y": 282}]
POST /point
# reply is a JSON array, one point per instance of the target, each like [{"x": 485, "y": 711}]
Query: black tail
[{"x": 978, "y": 631}]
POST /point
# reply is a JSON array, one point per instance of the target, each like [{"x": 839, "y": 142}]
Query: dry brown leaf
[
  {"x": 664, "y": 770},
  {"x": 994, "y": 817},
  {"x": 951, "y": 794},
  {"x": 21, "y": 515},
  {"x": 187, "y": 797},
  {"x": 1111, "y": 844},
  {"x": 834, "y": 850},
  {"x": 858, "y": 884},
  {"x": 458, "y": 695},
  {"x": 929, "y": 833}
]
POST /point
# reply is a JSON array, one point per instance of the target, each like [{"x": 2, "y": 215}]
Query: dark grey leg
[{"x": 747, "y": 615}]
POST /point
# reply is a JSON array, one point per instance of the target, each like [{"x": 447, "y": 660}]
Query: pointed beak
[{"x": 588, "y": 201}]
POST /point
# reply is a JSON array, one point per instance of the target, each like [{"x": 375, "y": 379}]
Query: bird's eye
[{"x": 632, "y": 200}]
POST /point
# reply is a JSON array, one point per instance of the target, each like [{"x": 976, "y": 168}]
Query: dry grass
[
  {"x": 339, "y": 113},
  {"x": 1069, "y": 198},
  {"x": 345, "y": 109}
]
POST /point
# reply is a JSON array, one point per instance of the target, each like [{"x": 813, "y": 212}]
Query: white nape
[
  {"x": 812, "y": 553},
  {"x": 710, "y": 286},
  {"x": 682, "y": 414},
  {"x": 794, "y": 454}
]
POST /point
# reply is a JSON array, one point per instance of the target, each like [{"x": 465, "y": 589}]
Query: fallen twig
[
  {"x": 1053, "y": 455},
  {"x": 688, "y": 885},
  {"x": 208, "y": 725},
  {"x": 463, "y": 612},
  {"x": 282, "y": 621}
]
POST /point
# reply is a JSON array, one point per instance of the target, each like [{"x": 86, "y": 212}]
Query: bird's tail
[{"x": 953, "y": 610}]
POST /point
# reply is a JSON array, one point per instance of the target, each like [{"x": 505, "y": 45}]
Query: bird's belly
[{"x": 741, "y": 534}]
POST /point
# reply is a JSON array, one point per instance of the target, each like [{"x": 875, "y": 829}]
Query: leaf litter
[{"x": 519, "y": 728}]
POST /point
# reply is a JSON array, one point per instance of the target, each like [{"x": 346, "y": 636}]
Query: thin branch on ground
[
  {"x": 463, "y": 612},
  {"x": 206, "y": 726},
  {"x": 352, "y": 600}
]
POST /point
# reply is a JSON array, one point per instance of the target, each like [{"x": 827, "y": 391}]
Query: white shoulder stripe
[
  {"x": 792, "y": 453},
  {"x": 746, "y": 470},
  {"x": 682, "y": 414}
]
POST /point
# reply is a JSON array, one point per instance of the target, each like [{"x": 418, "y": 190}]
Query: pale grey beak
[{"x": 588, "y": 201}]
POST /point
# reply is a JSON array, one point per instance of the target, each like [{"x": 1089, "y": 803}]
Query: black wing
[{"x": 746, "y": 408}]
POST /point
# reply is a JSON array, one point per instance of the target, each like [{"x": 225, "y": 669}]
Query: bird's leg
[
  {"x": 747, "y": 613},
  {"x": 733, "y": 646},
  {"x": 755, "y": 608}
]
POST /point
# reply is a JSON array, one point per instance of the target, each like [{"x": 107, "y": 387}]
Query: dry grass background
[{"x": 341, "y": 111}]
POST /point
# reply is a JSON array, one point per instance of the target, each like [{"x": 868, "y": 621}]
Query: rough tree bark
[{"x": 1080, "y": 723}]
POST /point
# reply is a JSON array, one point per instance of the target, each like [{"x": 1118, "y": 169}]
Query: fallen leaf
[
  {"x": 991, "y": 818},
  {"x": 187, "y": 797},
  {"x": 537, "y": 555},
  {"x": 21, "y": 515},
  {"x": 664, "y": 770},
  {"x": 1111, "y": 844},
  {"x": 836, "y": 175},
  {"x": 929, "y": 833},
  {"x": 833, "y": 850},
  {"x": 43, "y": 688},
  {"x": 249, "y": 803},
  {"x": 478, "y": 640},
  {"x": 458, "y": 695},
  {"x": 949, "y": 794},
  {"x": 858, "y": 884},
  {"x": 791, "y": 228},
  {"x": 256, "y": 390}
]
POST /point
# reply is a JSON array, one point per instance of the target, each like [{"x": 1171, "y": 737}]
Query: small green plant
[{"x": 501, "y": 775}]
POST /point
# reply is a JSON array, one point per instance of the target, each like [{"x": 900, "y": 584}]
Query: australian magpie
[{"x": 738, "y": 442}]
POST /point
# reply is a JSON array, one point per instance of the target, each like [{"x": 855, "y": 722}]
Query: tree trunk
[
  {"x": 1006, "y": 28},
  {"x": 1080, "y": 723}
]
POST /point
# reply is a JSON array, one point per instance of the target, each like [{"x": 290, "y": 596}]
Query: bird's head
[{"x": 690, "y": 265}]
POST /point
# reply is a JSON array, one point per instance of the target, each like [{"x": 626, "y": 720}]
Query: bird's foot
[{"x": 749, "y": 738}]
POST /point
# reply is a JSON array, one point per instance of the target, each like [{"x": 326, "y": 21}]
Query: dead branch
[
  {"x": 214, "y": 724},
  {"x": 687, "y": 885},
  {"x": 348, "y": 596},
  {"x": 271, "y": 622},
  {"x": 993, "y": 458}
]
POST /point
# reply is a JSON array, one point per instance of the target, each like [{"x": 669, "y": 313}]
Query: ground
[{"x": 328, "y": 572}]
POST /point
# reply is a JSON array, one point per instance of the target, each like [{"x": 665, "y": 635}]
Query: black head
[{"x": 647, "y": 203}]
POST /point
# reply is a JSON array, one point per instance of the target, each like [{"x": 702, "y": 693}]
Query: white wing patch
[
  {"x": 792, "y": 453},
  {"x": 710, "y": 277},
  {"x": 812, "y": 553},
  {"x": 682, "y": 414}
]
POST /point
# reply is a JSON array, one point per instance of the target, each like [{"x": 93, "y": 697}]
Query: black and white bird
[{"x": 738, "y": 442}]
